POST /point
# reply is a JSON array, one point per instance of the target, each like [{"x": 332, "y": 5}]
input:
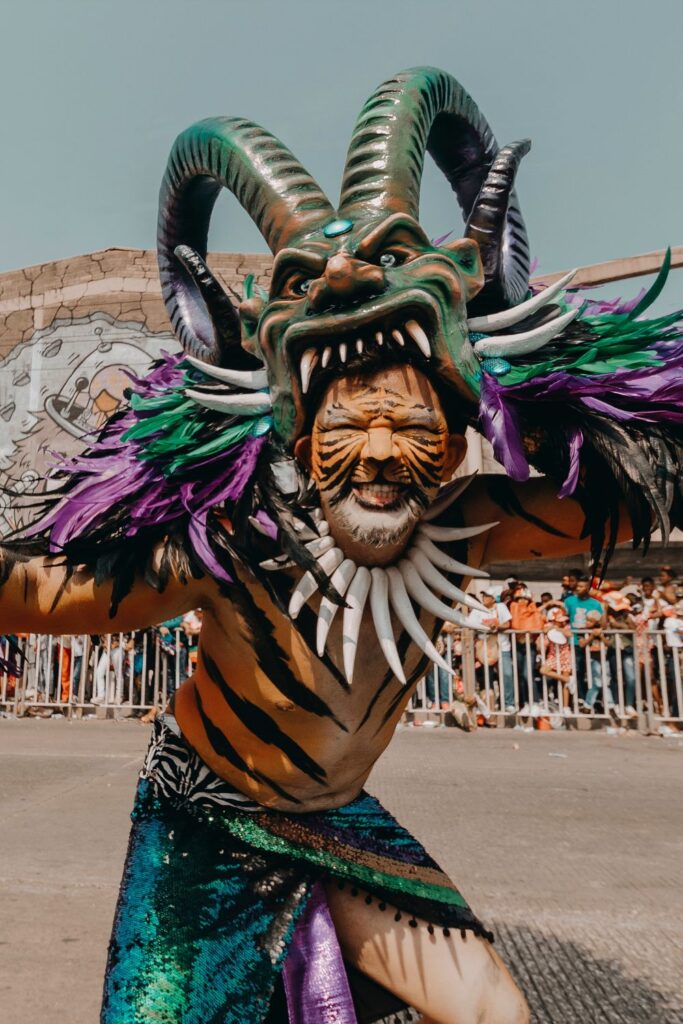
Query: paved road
[{"x": 571, "y": 846}]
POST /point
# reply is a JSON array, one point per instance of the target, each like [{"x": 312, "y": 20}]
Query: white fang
[
  {"x": 342, "y": 351},
  {"x": 233, "y": 405},
  {"x": 431, "y": 575},
  {"x": 307, "y": 585},
  {"x": 379, "y": 337},
  {"x": 415, "y": 586},
  {"x": 398, "y": 337},
  {"x": 444, "y": 561},
  {"x": 527, "y": 341},
  {"x": 406, "y": 615},
  {"x": 356, "y": 597},
  {"x": 448, "y": 533},
  {"x": 510, "y": 317},
  {"x": 306, "y": 366},
  {"x": 327, "y": 353},
  {"x": 381, "y": 616},
  {"x": 419, "y": 337},
  {"x": 341, "y": 580},
  {"x": 252, "y": 380}
]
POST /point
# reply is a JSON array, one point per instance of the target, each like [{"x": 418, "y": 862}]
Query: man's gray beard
[{"x": 376, "y": 528}]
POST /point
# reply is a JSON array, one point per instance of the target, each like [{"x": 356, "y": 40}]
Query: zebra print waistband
[{"x": 178, "y": 774}]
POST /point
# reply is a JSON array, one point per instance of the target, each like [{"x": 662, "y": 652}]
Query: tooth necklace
[{"x": 417, "y": 576}]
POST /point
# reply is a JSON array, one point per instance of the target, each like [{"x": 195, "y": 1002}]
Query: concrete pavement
[{"x": 570, "y": 846}]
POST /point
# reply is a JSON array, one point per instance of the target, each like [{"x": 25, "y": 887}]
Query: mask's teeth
[
  {"x": 419, "y": 337},
  {"x": 308, "y": 361},
  {"x": 343, "y": 351},
  {"x": 398, "y": 337},
  {"x": 359, "y": 345},
  {"x": 327, "y": 355},
  {"x": 379, "y": 338}
]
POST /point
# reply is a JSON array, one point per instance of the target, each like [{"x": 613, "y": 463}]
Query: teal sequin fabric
[{"x": 211, "y": 896}]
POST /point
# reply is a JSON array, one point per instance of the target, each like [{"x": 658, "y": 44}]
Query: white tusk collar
[
  {"x": 510, "y": 317},
  {"x": 418, "y": 577}
]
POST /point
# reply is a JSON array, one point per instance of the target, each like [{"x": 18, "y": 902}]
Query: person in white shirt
[{"x": 496, "y": 619}]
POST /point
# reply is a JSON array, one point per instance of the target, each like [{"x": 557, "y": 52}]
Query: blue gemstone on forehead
[
  {"x": 496, "y": 366},
  {"x": 337, "y": 227}
]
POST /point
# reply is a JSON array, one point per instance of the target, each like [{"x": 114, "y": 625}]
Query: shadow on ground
[{"x": 567, "y": 984}]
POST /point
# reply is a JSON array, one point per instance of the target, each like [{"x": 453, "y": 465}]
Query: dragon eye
[
  {"x": 301, "y": 287},
  {"x": 388, "y": 259}
]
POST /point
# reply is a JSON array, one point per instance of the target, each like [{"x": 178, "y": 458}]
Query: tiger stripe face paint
[{"x": 379, "y": 450}]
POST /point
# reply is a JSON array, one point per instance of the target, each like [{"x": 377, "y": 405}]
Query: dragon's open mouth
[{"x": 403, "y": 333}]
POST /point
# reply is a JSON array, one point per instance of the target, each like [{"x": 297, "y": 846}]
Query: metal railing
[
  {"x": 505, "y": 678},
  {"x": 513, "y": 676},
  {"x": 78, "y": 674}
]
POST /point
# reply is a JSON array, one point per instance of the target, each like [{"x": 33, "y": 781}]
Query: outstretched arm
[
  {"x": 45, "y": 595},
  {"x": 534, "y": 522}
]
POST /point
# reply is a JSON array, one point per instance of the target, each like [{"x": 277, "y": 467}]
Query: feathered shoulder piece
[{"x": 597, "y": 405}]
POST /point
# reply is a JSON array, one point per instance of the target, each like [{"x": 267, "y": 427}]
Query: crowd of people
[
  {"x": 600, "y": 646},
  {"x": 122, "y": 668}
]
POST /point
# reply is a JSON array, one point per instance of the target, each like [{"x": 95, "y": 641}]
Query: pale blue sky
[{"x": 94, "y": 91}]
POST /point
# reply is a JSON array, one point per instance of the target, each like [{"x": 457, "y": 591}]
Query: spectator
[
  {"x": 673, "y": 639},
  {"x": 192, "y": 624},
  {"x": 666, "y": 585},
  {"x": 545, "y": 601},
  {"x": 557, "y": 663},
  {"x": 497, "y": 649},
  {"x": 622, "y": 650},
  {"x": 569, "y": 581},
  {"x": 593, "y": 641},
  {"x": 527, "y": 622},
  {"x": 579, "y": 604}
]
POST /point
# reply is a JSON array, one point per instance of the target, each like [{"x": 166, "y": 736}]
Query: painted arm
[
  {"x": 534, "y": 522},
  {"x": 43, "y": 595}
]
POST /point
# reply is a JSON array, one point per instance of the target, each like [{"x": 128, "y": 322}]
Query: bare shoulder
[{"x": 532, "y": 521}]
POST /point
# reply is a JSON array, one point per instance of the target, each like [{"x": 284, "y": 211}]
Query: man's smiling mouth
[{"x": 380, "y": 496}]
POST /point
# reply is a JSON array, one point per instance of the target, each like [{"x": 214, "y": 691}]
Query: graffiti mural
[{"x": 57, "y": 389}]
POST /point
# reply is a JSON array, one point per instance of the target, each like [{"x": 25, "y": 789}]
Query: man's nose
[
  {"x": 344, "y": 280},
  {"x": 379, "y": 445}
]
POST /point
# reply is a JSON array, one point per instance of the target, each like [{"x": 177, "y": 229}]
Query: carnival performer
[{"x": 291, "y": 474}]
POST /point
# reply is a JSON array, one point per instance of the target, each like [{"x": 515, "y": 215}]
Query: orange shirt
[{"x": 526, "y": 615}]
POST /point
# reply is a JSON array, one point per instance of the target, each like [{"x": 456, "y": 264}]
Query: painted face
[
  {"x": 373, "y": 293},
  {"x": 379, "y": 450}
]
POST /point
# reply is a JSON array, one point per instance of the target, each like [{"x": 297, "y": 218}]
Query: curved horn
[
  {"x": 424, "y": 109},
  {"x": 282, "y": 199},
  {"x": 495, "y": 223}
]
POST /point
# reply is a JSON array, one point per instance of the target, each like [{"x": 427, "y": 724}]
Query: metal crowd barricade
[
  {"x": 627, "y": 679},
  {"x": 78, "y": 675}
]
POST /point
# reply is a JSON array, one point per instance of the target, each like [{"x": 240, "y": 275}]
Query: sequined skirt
[{"x": 218, "y": 896}]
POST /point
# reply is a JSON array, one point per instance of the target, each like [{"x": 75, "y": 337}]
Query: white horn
[
  {"x": 404, "y": 612},
  {"x": 341, "y": 579},
  {"x": 252, "y": 380},
  {"x": 307, "y": 585},
  {"x": 510, "y": 317},
  {"x": 447, "y": 533},
  {"x": 379, "y": 603},
  {"x": 424, "y": 597},
  {"x": 234, "y": 405},
  {"x": 446, "y": 496},
  {"x": 356, "y": 597},
  {"x": 430, "y": 574},
  {"x": 527, "y": 341},
  {"x": 445, "y": 562}
]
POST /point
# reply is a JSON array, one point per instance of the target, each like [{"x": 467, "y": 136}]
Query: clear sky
[{"x": 94, "y": 92}]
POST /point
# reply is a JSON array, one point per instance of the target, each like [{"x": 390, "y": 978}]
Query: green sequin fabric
[{"x": 210, "y": 899}]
